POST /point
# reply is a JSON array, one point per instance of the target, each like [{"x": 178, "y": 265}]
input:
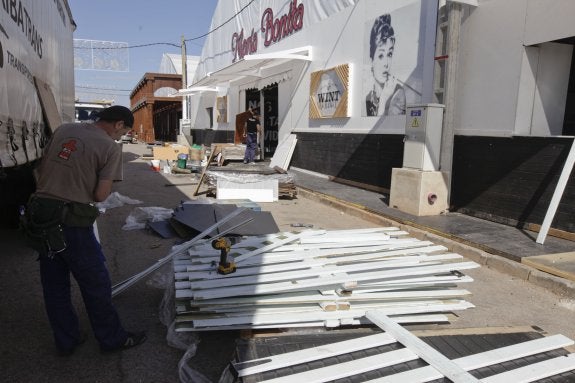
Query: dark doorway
[
  {"x": 252, "y": 99},
  {"x": 270, "y": 115},
  {"x": 569, "y": 119}
]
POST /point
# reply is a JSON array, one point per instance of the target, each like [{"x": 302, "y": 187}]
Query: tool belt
[{"x": 44, "y": 218}]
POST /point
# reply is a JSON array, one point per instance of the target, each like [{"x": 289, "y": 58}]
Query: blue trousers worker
[
  {"x": 83, "y": 258},
  {"x": 251, "y": 147}
]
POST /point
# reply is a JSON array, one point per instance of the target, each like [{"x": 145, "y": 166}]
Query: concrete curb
[{"x": 554, "y": 284}]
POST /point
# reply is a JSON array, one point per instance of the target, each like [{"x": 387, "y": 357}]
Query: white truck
[{"x": 36, "y": 88}]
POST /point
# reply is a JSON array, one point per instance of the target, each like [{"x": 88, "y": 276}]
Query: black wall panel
[
  {"x": 512, "y": 179},
  {"x": 207, "y": 137},
  {"x": 361, "y": 158}
]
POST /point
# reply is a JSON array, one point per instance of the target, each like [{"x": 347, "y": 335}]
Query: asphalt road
[{"x": 26, "y": 347}]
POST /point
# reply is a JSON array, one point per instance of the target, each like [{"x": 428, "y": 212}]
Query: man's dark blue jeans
[
  {"x": 83, "y": 258},
  {"x": 251, "y": 147}
]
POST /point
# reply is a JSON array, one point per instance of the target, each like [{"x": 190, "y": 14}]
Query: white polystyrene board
[
  {"x": 261, "y": 191},
  {"x": 283, "y": 152}
]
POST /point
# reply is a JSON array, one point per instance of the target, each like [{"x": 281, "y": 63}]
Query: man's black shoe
[
  {"x": 134, "y": 339},
  {"x": 69, "y": 351}
]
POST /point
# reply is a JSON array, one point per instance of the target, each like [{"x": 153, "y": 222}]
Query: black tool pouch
[
  {"x": 42, "y": 224},
  {"x": 80, "y": 214}
]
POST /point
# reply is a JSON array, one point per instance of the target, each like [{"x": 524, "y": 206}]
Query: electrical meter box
[{"x": 423, "y": 129}]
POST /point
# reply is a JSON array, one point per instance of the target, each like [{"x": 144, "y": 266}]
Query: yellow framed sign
[{"x": 329, "y": 93}]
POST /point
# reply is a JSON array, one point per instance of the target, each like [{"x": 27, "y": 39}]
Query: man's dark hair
[{"x": 117, "y": 113}]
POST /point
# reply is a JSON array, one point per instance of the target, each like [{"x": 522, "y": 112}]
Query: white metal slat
[
  {"x": 278, "y": 319},
  {"x": 483, "y": 359},
  {"x": 250, "y": 266},
  {"x": 311, "y": 354},
  {"x": 535, "y": 371},
  {"x": 429, "y": 318},
  {"x": 403, "y": 284},
  {"x": 439, "y": 361},
  {"x": 274, "y": 245},
  {"x": 323, "y": 281},
  {"x": 269, "y": 257},
  {"x": 311, "y": 272},
  {"x": 354, "y": 367},
  {"x": 423, "y": 374}
]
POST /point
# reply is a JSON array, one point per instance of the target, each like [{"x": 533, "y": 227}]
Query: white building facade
[{"x": 341, "y": 75}]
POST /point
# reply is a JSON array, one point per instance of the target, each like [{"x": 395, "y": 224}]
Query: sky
[{"x": 135, "y": 22}]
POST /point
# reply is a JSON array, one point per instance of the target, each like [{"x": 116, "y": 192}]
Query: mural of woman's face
[{"x": 381, "y": 62}]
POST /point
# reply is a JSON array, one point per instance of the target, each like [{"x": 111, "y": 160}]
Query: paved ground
[
  {"x": 507, "y": 241},
  {"x": 27, "y": 353}
]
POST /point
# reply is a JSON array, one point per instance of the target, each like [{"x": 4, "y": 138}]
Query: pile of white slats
[{"x": 319, "y": 278}]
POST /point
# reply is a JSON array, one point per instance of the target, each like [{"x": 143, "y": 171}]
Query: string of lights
[{"x": 173, "y": 44}]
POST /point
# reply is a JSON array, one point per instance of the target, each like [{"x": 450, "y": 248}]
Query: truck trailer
[{"x": 37, "y": 90}]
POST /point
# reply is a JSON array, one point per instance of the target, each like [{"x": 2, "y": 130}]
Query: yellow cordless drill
[{"x": 224, "y": 245}]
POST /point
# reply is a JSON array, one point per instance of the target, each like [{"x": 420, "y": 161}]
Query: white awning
[
  {"x": 473, "y": 3},
  {"x": 253, "y": 65},
  {"x": 194, "y": 90}
]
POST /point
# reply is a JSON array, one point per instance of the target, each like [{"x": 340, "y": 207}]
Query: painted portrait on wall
[{"x": 392, "y": 70}]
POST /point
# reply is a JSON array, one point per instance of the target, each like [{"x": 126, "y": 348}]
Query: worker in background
[
  {"x": 252, "y": 129},
  {"x": 80, "y": 163}
]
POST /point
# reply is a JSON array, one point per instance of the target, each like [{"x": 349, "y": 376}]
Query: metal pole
[
  {"x": 447, "y": 138},
  {"x": 184, "y": 81},
  {"x": 559, "y": 189}
]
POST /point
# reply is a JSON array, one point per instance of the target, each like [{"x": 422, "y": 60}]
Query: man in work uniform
[
  {"x": 79, "y": 166},
  {"x": 252, "y": 129}
]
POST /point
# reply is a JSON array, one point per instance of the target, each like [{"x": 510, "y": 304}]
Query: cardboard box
[{"x": 170, "y": 152}]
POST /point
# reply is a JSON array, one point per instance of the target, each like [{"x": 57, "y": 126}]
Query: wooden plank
[
  {"x": 439, "y": 361},
  {"x": 204, "y": 171},
  {"x": 255, "y": 366},
  {"x": 483, "y": 359},
  {"x": 560, "y": 264},
  {"x": 48, "y": 104}
]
